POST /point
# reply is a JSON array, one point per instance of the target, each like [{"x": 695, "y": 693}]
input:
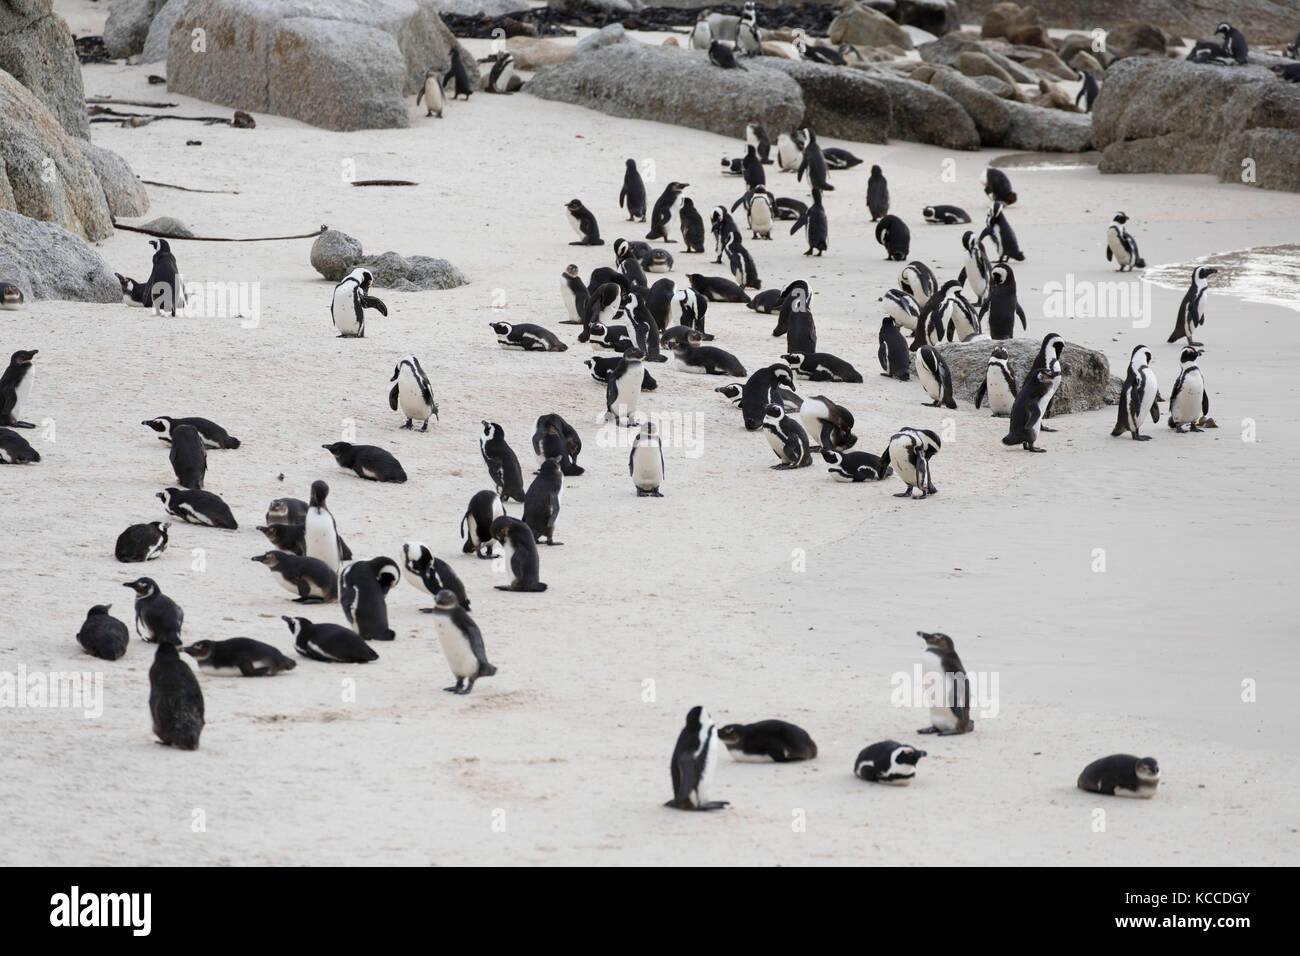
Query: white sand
[{"x": 694, "y": 592}]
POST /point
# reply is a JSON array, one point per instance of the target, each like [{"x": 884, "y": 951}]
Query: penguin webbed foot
[
  {"x": 715, "y": 805},
  {"x": 409, "y": 424},
  {"x": 1044, "y": 428},
  {"x": 1139, "y": 437},
  {"x": 928, "y": 730},
  {"x": 456, "y": 687},
  {"x": 1030, "y": 446}
]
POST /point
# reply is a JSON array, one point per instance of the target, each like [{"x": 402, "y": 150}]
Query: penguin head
[
  {"x": 143, "y": 587},
  {"x": 887, "y": 323},
  {"x": 731, "y": 390},
  {"x": 1190, "y": 355},
  {"x": 571, "y": 270},
  {"x": 793, "y": 359},
  {"x": 423, "y": 556},
  {"x": 999, "y": 354},
  {"x": 773, "y": 414},
  {"x": 928, "y": 212},
  {"x": 1201, "y": 274},
  {"x": 319, "y": 492},
  {"x": 500, "y": 328},
  {"x": 995, "y": 210},
  {"x": 831, "y": 457},
  {"x": 908, "y": 755},
  {"x": 633, "y": 354},
  {"x": 491, "y": 430},
  {"x": 500, "y": 528},
  {"x": 445, "y": 601},
  {"x": 936, "y": 643},
  {"x": 1147, "y": 769},
  {"x": 550, "y": 468},
  {"x": 386, "y": 571},
  {"x": 158, "y": 424},
  {"x": 1224, "y": 28},
  {"x": 295, "y": 623},
  {"x": 269, "y": 558},
  {"x": 160, "y": 527},
  {"x": 161, "y": 246},
  {"x": 781, "y": 375},
  {"x": 573, "y": 205},
  {"x": 199, "y": 650},
  {"x": 930, "y": 440},
  {"x": 698, "y": 718},
  {"x": 99, "y": 609},
  {"x": 1120, "y": 218},
  {"x": 336, "y": 449},
  {"x": 23, "y": 357},
  {"x": 731, "y": 733}
]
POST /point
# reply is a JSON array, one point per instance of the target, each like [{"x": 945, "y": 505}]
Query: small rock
[
  {"x": 334, "y": 254},
  {"x": 168, "y": 226}
]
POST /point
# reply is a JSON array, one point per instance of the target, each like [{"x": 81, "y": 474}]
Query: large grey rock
[
  {"x": 1086, "y": 382},
  {"x": 412, "y": 273},
  {"x": 480, "y": 8},
  {"x": 533, "y": 53},
  {"x": 922, "y": 114},
  {"x": 1259, "y": 20},
  {"x": 1037, "y": 128},
  {"x": 1161, "y": 115},
  {"x": 990, "y": 113},
  {"x": 335, "y": 64},
  {"x": 124, "y": 192},
  {"x": 334, "y": 254},
  {"x": 1137, "y": 39},
  {"x": 948, "y": 50},
  {"x": 44, "y": 173},
  {"x": 155, "y": 43},
  {"x": 860, "y": 25},
  {"x": 128, "y": 24},
  {"x": 838, "y": 102},
  {"x": 36, "y": 49},
  {"x": 934, "y": 16},
  {"x": 46, "y": 261},
  {"x": 674, "y": 86},
  {"x": 606, "y": 36},
  {"x": 606, "y": 7}
]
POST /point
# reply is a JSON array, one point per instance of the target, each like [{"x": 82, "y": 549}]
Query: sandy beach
[{"x": 756, "y": 593}]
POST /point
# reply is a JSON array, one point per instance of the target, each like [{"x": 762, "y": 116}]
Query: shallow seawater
[{"x": 1269, "y": 274}]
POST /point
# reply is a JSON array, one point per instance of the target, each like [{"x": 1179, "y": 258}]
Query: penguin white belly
[
  {"x": 222, "y": 671},
  {"x": 629, "y": 390},
  {"x": 760, "y": 218},
  {"x": 344, "y": 312},
  {"x": 974, "y": 279},
  {"x": 21, "y": 392},
  {"x": 685, "y": 367},
  {"x": 412, "y": 403},
  {"x": 1139, "y": 794},
  {"x": 777, "y": 441},
  {"x": 433, "y": 95},
  {"x": 787, "y": 155},
  {"x": 928, "y": 381},
  {"x": 570, "y": 301},
  {"x": 320, "y": 537},
  {"x": 1187, "y": 406},
  {"x": 460, "y": 658},
  {"x": 903, "y": 468},
  {"x": 1149, "y": 391},
  {"x": 285, "y": 583},
  {"x": 647, "y": 470},
  {"x": 1117, "y": 248},
  {"x": 575, "y": 223},
  {"x": 1001, "y": 398}
]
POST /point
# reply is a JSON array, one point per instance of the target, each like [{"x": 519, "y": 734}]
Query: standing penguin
[
  {"x": 664, "y": 210},
  {"x": 1004, "y": 238},
  {"x": 464, "y": 87},
  {"x": 431, "y": 574},
  {"x": 521, "y": 554},
  {"x": 431, "y": 93},
  {"x": 484, "y": 508},
  {"x": 893, "y": 234},
  {"x": 756, "y": 136},
  {"x": 158, "y": 619},
  {"x": 877, "y": 194},
  {"x": 741, "y": 264},
  {"x": 632, "y": 195},
  {"x": 701, "y": 34},
  {"x": 787, "y": 438},
  {"x": 997, "y": 186},
  {"x": 553, "y": 437},
  {"x": 623, "y": 388},
  {"x": 814, "y": 163},
  {"x": 975, "y": 271},
  {"x": 15, "y": 387},
  {"x": 1139, "y": 397},
  {"x": 141, "y": 542},
  {"x": 752, "y": 168},
  {"x": 584, "y": 224},
  {"x": 814, "y": 219},
  {"x": 760, "y": 211},
  {"x": 893, "y": 352},
  {"x": 950, "y": 709},
  {"x": 412, "y": 393},
  {"x": 462, "y": 643},
  {"x": 691, "y": 224},
  {"x": 999, "y": 386},
  {"x": 542, "y": 501},
  {"x": 795, "y": 320},
  {"x": 902, "y": 308},
  {"x": 573, "y": 292},
  {"x": 645, "y": 463},
  {"x": 909, "y": 452},
  {"x": 175, "y": 700},
  {"x": 1189, "y": 402},
  {"x": 1122, "y": 247},
  {"x": 1191, "y": 311},
  {"x": 1002, "y": 305},
  {"x": 789, "y": 151},
  {"x": 1030, "y": 407},
  {"x": 502, "y": 78},
  {"x": 918, "y": 280},
  {"x": 1049, "y": 355},
  {"x": 103, "y": 635},
  {"x": 954, "y": 315},
  {"x": 1087, "y": 94},
  {"x": 164, "y": 288},
  {"x": 320, "y": 537},
  {"x": 694, "y": 758},
  {"x": 188, "y": 457},
  {"x": 363, "y": 586},
  {"x": 935, "y": 377},
  {"x": 350, "y": 300},
  {"x": 1234, "y": 44},
  {"x": 747, "y": 38},
  {"x": 502, "y": 462}
]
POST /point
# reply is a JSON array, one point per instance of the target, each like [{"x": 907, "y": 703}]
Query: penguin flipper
[
  {"x": 392, "y": 398},
  {"x": 979, "y": 395},
  {"x": 370, "y": 302},
  {"x": 1109, "y": 254},
  {"x": 1024, "y": 324}
]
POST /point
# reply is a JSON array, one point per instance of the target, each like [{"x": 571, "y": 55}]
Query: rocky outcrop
[
  {"x": 533, "y": 53},
  {"x": 155, "y": 43},
  {"x": 1170, "y": 116},
  {"x": 48, "y": 262},
  {"x": 332, "y": 63},
  {"x": 125, "y": 194},
  {"x": 949, "y": 50},
  {"x": 922, "y": 114},
  {"x": 1259, "y": 20},
  {"x": 334, "y": 254},
  {"x": 36, "y": 49},
  {"x": 860, "y": 25},
  {"x": 838, "y": 102},
  {"x": 128, "y": 24},
  {"x": 673, "y": 86},
  {"x": 1086, "y": 382},
  {"x": 1136, "y": 39},
  {"x": 44, "y": 173},
  {"x": 1006, "y": 19},
  {"x": 1036, "y": 128},
  {"x": 936, "y": 17}
]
